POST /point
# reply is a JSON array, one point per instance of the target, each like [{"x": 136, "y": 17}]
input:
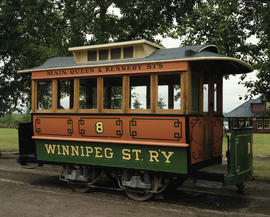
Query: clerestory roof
[{"x": 227, "y": 65}]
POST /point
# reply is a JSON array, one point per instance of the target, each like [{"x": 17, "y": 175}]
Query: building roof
[
  {"x": 228, "y": 65},
  {"x": 245, "y": 110}
]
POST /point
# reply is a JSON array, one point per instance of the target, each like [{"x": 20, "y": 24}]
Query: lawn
[
  {"x": 261, "y": 150},
  {"x": 8, "y": 139}
]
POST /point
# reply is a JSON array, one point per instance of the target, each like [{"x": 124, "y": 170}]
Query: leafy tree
[
  {"x": 261, "y": 56},
  {"x": 161, "y": 103},
  {"x": 33, "y": 31},
  {"x": 136, "y": 104},
  {"x": 229, "y": 24}
]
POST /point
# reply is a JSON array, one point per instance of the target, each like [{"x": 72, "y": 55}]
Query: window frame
[
  {"x": 257, "y": 123},
  {"x": 264, "y": 126},
  {"x": 35, "y": 96},
  {"x": 75, "y": 105},
  {"x": 106, "y": 110},
  {"x": 170, "y": 111},
  {"x": 151, "y": 86},
  {"x": 89, "y": 110}
]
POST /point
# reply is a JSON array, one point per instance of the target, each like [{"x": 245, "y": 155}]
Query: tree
[
  {"x": 229, "y": 24},
  {"x": 261, "y": 57},
  {"x": 33, "y": 31}
]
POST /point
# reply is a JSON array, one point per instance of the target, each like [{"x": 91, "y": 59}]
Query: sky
[{"x": 231, "y": 89}]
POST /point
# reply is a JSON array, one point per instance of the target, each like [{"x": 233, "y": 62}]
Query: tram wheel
[
  {"x": 80, "y": 187},
  {"x": 142, "y": 194}
]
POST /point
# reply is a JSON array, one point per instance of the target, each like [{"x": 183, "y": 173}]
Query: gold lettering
[
  {"x": 98, "y": 152},
  {"x": 65, "y": 149},
  {"x": 82, "y": 152},
  {"x": 108, "y": 153},
  {"x": 75, "y": 150},
  {"x": 58, "y": 150},
  {"x": 126, "y": 154},
  {"x": 89, "y": 150},
  {"x": 153, "y": 155},
  {"x": 167, "y": 156},
  {"x": 137, "y": 151},
  {"x": 50, "y": 148}
]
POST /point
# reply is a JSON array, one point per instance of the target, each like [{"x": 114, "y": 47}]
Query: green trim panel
[
  {"x": 156, "y": 158},
  {"x": 240, "y": 168}
]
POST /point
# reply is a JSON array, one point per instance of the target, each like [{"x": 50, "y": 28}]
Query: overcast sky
[{"x": 231, "y": 89}]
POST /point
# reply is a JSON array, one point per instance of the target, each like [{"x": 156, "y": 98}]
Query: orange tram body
[{"x": 142, "y": 114}]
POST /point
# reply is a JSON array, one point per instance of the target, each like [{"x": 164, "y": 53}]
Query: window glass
[
  {"x": 195, "y": 91},
  {"x": 44, "y": 95},
  {"x": 247, "y": 123},
  {"x": 65, "y": 92},
  {"x": 241, "y": 123},
  {"x": 235, "y": 123},
  {"x": 268, "y": 106},
  {"x": 215, "y": 97},
  {"x": 267, "y": 123},
  {"x": 128, "y": 52},
  {"x": 92, "y": 55},
  {"x": 169, "y": 91},
  {"x": 88, "y": 93},
  {"x": 205, "y": 97},
  {"x": 103, "y": 54},
  {"x": 112, "y": 93},
  {"x": 140, "y": 92},
  {"x": 116, "y": 53},
  {"x": 259, "y": 123}
]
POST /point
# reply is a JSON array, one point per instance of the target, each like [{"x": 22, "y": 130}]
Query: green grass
[
  {"x": 8, "y": 140},
  {"x": 261, "y": 150}
]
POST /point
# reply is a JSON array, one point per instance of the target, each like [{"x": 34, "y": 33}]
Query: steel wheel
[{"x": 142, "y": 194}]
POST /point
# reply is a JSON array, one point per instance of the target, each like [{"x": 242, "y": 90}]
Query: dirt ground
[{"x": 39, "y": 193}]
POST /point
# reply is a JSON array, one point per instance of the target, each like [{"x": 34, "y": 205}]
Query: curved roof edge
[{"x": 228, "y": 65}]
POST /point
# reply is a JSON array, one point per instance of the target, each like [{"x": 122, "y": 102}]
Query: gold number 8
[{"x": 99, "y": 127}]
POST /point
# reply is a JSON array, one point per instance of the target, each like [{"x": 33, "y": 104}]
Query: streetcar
[{"x": 147, "y": 116}]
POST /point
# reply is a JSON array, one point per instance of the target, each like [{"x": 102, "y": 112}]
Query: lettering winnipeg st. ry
[
  {"x": 127, "y": 154},
  {"x": 115, "y": 68}
]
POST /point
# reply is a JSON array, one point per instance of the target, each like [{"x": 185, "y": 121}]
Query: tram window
[
  {"x": 92, "y": 55},
  {"x": 112, "y": 93},
  {"x": 215, "y": 97},
  {"x": 88, "y": 93},
  {"x": 44, "y": 95},
  {"x": 169, "y": 91},
  {"x": 140, "y": 92},
  {"x": 65, "y": 93},
  {"x": 103, "y": 54},
  {"x": 116, "y": 53},
  {"x": 205, "y": 97},
  {"x": 195, "y": 91},
  {"x": 128, "y": 52}
]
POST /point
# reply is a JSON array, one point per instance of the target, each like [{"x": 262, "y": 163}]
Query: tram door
[{"x": 211, "y": 88}]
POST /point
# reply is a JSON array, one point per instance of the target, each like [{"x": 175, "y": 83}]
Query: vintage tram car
[{"x": 144, "y": 115}]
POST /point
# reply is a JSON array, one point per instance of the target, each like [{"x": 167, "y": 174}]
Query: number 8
[{"x": 99, "y": 127}]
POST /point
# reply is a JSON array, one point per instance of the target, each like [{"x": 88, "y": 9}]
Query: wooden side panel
[
  {"x": 165, "y": 129},
  {"x": 58, "y": 126},
  {"x": 217, "y": 136},
  {"x": 129, "y": 129},
  {"x": 100, "y": 127},
  {"x": 196, "y": 139}
]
